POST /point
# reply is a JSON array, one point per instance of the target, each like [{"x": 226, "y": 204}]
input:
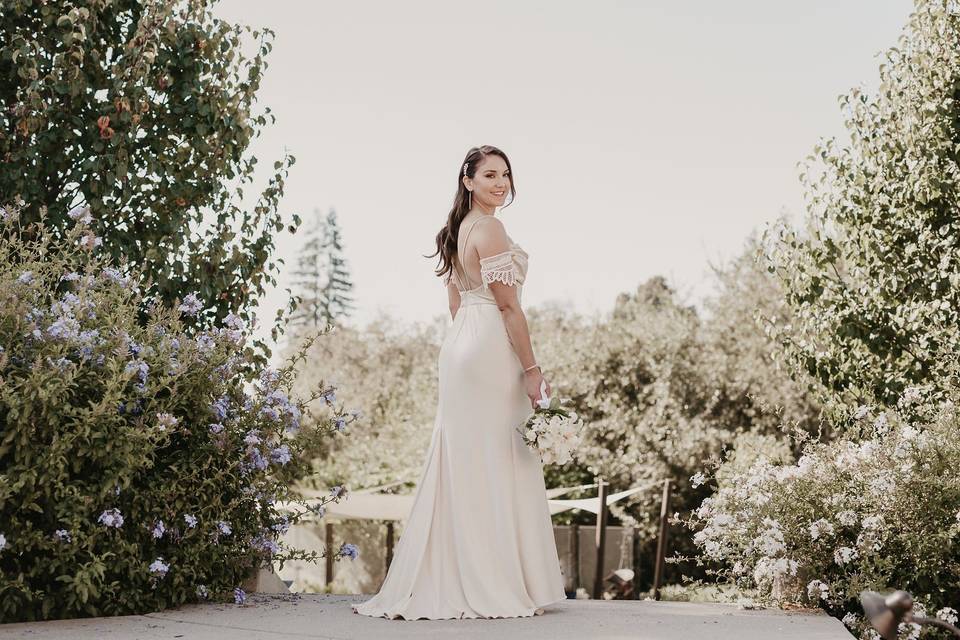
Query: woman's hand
[{"x": 531, "y": 381}]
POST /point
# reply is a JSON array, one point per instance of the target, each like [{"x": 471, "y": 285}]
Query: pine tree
[
  {"x": 336, "y": 294},
  {"x": 322, "y": 279}
]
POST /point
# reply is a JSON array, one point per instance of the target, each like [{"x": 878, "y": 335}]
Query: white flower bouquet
[{"x": 551, "y": 430}]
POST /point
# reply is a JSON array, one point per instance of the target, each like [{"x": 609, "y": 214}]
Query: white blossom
[
  {"x": 820, "y": 528},
  {"x": 843, "y": 555},
  {"x": 948, "y": 615},
  {"x": 818, "y": 590}
]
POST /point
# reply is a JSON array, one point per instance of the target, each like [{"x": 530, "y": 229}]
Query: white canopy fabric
[
  {"x": 362, "y": 504},
  {"x": 590, "y": 504}
]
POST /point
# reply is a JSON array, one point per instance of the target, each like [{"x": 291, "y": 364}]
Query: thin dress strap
[{"x": 459, "y": 250}]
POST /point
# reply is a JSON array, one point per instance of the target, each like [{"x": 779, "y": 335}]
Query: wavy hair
[{"x": 447, "y": 236}]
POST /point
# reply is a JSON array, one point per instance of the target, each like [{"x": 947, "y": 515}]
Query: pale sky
[{"x": 646, "y": 138}]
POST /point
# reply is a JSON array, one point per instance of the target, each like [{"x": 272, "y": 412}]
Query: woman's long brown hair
[{"x": 447, "y": 236}]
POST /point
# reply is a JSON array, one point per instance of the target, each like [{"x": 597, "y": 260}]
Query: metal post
[
  {"x": 329, "y": 552},
  {"x": 601, "y": 538},
  {"x": 389, "y": 545},
  {"x": 661, "y": 540}
]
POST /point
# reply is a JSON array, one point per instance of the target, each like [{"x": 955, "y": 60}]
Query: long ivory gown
[{"x": 478, "y": 542}]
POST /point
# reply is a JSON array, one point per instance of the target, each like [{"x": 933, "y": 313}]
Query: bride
[{"x": 478, "y": 542}]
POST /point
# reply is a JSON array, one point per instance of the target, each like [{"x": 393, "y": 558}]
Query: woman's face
[{"x": 491, "y": 182}]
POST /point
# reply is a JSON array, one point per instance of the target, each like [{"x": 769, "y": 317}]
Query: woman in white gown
[{"x": 478, "y": 542}]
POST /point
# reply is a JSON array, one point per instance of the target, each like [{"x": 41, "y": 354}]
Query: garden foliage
[{"x": 140, "y": 468}]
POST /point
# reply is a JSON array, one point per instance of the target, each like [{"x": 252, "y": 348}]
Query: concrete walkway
[{"x": 322, "y": 616}]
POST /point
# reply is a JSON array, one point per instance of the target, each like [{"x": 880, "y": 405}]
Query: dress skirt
[{"x": 478, "y": 542}]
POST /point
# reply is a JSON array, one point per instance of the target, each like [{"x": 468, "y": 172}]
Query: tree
[
  {"x": 755, "y": 387},
  {"x": 873, "y": 281},
  {"x": 322, "y": 276},
  {"x": 143, "y": 110}
]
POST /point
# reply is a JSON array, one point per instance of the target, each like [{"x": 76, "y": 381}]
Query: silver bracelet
[{"x": 533, "y": 366}]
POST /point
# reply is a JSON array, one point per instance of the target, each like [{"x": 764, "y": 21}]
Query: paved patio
[{"x": 322, "y": 616}]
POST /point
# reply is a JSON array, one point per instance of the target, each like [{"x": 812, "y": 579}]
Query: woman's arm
[
  {"x": 518, "y": 332},
  {"x": 491, "y": 240}
]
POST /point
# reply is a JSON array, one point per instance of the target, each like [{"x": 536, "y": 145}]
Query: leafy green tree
[
  {"x": 754, "y": 386},
  {"x": 144, "y": 111},
  {"x": 322, "y": 278},
  {"x": 873, "y": 281}
]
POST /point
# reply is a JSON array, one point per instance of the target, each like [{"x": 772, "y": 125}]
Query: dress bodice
[{"x": 508, "y": 267}]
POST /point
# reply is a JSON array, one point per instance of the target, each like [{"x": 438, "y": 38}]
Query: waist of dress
[{"x": 477, "y": 296}]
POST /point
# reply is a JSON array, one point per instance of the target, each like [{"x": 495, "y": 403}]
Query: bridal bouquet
[{"x": 552, "y": 431}]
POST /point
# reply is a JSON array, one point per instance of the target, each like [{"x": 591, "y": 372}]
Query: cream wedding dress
[{"x": 478, "y": 542}]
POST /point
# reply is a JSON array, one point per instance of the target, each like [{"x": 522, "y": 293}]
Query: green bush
[
  {"x": 140, "y": 463},
  {"x": 878, "y": 513}
]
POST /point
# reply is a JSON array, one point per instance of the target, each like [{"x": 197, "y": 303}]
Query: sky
[{"x": 646, "y": 138}]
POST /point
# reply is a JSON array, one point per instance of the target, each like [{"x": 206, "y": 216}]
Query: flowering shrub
[
  {"x": 879, "y": 513},
  {"x": 139, "y": 467}
]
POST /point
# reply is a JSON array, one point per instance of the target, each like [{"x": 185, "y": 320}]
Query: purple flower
[
  {"x": 3, "y": 541},
  {"x": 111, "y": 518},
  {"x": 277, "y": 397},
  {"x": 336, "y": 491},
  {"x": 281, "y": 454},
  {"x": 60, "y": 363},
  {"x": 82, "y": 213},
  {"x": 257, "y": 458},
  {"x": 282, "y": 526},
  {"x": 140, "y": 367},
  {"x": 220, "y": 407},
  {"x": 191, "y": 305},
  {"x": 158, "y": 529},
  {"x": 252, "y": 437},
  {"x": 26, "y": 277},
  {"x": 349, "y": 550},
  {"x": 166, "y": 421},
  {"x": 202, "y": 591},
  {"x": 265, "y": 543},
  {"x": 115, "y": 276},
  {"x": 269, "y": 377},
  {"x": 159, "y": 568},
  {"x": 64, "y": 328},
  {"x": 62, "y": 535},
  {"x": 239, "y": 596},
  {"x": 340, "y": 423},
  {"x": 233, "y": 322},
  {"x": 224, "y": 527},
  {"x": 269, "y": 412},
  {"x": 216, "y": 427},
  {"x": 90, "y": 241},
  {"x": 206, "y": 343},
  {"x": 70, "y": 277},
  {"x": 190, "y": 520}
]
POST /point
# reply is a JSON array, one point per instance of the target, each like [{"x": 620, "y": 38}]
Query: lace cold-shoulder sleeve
[{"x": 501, "y": 267}]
